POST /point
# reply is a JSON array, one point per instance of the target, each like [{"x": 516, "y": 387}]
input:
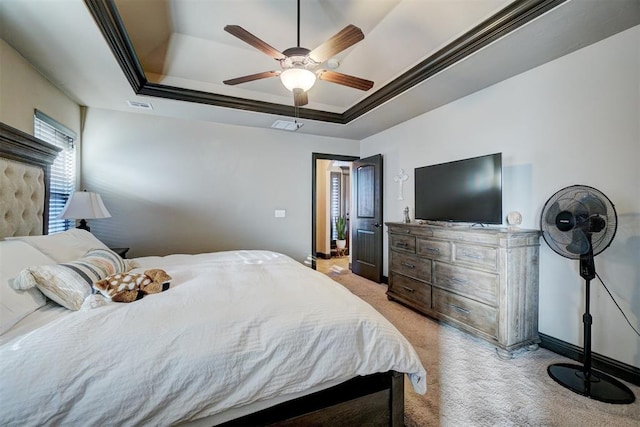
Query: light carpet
[{"x": 469, "y": 385}]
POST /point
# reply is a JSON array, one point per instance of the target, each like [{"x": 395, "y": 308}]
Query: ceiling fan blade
[
  {"x": 345, "y": 80},
  {"x": 347, "y": 37},
  {"x": 249, "y": 38},
  {"x": 579, "y": 243},
  {"x": 300, "y": 97},
  {"x": 252, "y": 77}
]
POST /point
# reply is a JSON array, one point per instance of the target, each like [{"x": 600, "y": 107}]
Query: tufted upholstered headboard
[{"x": 25, "y": 163}]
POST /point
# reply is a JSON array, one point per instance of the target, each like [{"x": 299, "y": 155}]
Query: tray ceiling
[{"x": 420, "y": 54}]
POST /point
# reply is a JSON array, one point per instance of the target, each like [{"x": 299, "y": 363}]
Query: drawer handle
[
  {"x": 459, "y": 280},
  {"x": 406, "y": 288},
  {"x": 406, "y": 264},
  {"x": 470, "y": 255},
  {"x": 458, "y": 308},
  {"x": 436, "y": 250},
  {"x": 402, "y": 244}
]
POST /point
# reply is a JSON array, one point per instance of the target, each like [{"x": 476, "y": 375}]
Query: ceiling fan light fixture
[{"x": 298, "y": 78}]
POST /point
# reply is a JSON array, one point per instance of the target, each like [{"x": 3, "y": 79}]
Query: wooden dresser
[{"x": 481, "y": 280}]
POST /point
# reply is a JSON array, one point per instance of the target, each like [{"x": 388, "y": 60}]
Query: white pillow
[
  {"x": 64, "y": 247},
  {"x": 15, "y": 305},
  {"x": 70, "y": 283}
]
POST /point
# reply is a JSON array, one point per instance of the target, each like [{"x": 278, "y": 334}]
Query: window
[{"x": 63, "y": 170}]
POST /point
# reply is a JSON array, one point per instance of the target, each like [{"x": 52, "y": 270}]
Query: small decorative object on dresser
[
  {"x": 514, "y": 219},
  {"x": 483, "y": 281}
]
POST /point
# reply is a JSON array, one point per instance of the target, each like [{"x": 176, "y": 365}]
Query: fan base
[{"x": 600, "y": 386}]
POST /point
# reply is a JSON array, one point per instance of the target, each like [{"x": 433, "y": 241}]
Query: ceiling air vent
[
  {"x": 141, "y": 105},
  {"x": 284, "y": 125}
]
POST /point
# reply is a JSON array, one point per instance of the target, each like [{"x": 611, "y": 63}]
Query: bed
[{"x": 238, "y": 338}]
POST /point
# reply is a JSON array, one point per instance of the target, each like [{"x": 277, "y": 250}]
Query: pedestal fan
[{"x": 579, "y": 222}]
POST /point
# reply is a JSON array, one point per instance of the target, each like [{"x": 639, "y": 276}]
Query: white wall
[
  {"x": 23, "y": 89},
  {"x": 176, "y": 185},
  {"x": 572, "y": 121}
]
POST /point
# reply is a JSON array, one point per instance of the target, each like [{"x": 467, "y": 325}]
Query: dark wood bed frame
[
  {"x": 24, "y": 148},
  {"x": 372, "y": 400}
]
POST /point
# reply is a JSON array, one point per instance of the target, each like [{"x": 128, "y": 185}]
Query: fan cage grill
[{"x": 584, "y": 201}]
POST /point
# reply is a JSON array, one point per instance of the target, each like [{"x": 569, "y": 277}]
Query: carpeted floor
[{"x": 468, "y": 385}]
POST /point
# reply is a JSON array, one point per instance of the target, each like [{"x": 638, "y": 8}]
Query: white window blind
[{"x": 63, "y": 170}]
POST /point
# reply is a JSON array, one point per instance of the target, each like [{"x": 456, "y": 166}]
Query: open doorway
[{"x": 331, "y": 198}]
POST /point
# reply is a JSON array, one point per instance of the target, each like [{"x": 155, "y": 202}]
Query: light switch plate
[{"x": 281, "y": 213}]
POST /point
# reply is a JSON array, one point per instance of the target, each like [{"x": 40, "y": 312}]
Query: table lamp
[{"x": 84, "y": 205}]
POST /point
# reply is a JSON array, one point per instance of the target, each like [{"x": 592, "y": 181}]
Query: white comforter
[{"x": 234, "y": 328}]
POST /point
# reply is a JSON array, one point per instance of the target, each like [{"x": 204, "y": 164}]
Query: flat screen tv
[{"x": 468, "y": 190}]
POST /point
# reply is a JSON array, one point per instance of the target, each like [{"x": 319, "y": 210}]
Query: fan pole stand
[{"x": 582, "y": 379}]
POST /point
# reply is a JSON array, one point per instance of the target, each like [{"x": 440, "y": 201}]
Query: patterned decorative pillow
[{"x": 69, "y": 283}]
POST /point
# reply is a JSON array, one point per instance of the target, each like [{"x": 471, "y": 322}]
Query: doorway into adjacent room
[
  {"x": 351, "y": 188},
  {"x": 331, "y": 199}
]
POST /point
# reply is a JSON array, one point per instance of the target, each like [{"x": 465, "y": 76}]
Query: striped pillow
[{"x": 70, "y": 283}]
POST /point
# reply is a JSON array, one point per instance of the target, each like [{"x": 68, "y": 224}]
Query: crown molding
[{"x": 507, "y": 20}]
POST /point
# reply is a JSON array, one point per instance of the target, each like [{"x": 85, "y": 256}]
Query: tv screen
[{"x": 468, "y": 190}]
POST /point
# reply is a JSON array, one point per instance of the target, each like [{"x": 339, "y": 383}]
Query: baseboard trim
[{"x": 602, "y": 363}]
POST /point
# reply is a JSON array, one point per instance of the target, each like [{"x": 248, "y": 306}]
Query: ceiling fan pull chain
[{"x": 298, "y": 23}]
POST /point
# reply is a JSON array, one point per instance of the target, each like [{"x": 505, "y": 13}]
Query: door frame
[{"x": 314, "y": 158}]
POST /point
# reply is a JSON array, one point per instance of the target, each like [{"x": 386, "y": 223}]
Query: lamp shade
[
  {"x": 298, "y": 78},
  {"x": 84, "y": 205}
]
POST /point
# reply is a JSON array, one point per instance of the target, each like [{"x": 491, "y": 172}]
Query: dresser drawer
[
  {"x": 475, "y": 284},
  {"x": 434, "y": 249},
  {"x": 467, "y": 311},
  {"x": 402, "y": 242},
  {"x": 417, "y": 292},
  {"x": 411, "y": 265},
  {"x": 481, "y": 256}
]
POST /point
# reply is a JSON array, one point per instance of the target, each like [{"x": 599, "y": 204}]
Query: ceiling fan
[{"x": 300, "y": 67}]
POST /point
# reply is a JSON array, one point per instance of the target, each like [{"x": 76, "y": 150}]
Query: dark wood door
[{"x": 366, "y": 221}]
